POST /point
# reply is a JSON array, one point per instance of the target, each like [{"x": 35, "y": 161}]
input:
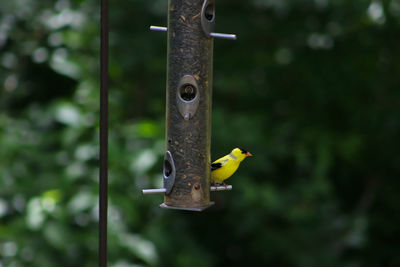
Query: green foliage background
[{"x": 311, "y": 88}]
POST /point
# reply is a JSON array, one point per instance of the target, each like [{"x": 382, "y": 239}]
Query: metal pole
[
  {"x": 103, "y": 175},
  {"x": 188, "y": 121}
]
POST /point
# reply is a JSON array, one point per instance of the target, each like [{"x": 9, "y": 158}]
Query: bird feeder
[{"x": 187, "y": 160}]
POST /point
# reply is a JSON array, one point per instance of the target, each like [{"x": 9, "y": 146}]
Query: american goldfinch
[{"x": 224, "y": 167}]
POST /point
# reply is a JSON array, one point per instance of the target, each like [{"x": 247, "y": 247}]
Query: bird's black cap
[{"x": 244, "y": 151}]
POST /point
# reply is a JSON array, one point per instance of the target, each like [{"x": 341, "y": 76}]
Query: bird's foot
[{"x": 224, "y": 184}]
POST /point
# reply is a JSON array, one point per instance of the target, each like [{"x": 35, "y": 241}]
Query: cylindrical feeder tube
[{"x": 188, "y": 116}]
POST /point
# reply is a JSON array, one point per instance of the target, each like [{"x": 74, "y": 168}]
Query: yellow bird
[{"x": 224, "y": 167}]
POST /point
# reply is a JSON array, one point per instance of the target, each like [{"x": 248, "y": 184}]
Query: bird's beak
[{"x": 248, "y": 154}]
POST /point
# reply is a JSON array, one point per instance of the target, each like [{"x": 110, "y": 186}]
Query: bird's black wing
[{"x": 215, "y": 166}]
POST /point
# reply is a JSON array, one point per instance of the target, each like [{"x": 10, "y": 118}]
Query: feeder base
[{"x": 164, "y": 206}]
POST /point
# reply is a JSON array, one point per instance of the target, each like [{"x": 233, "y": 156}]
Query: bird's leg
[{"x": 224, "y": 184}]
